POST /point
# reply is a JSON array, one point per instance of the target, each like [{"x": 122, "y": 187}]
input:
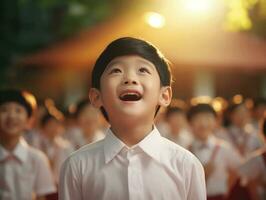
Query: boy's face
[
  {"x": 176, "y": 121},
  {"x": 130, "y": 86},
  {"x": 13, "y": 118},
  {"x": 241, "y": 116},
  {"x": 89, "y": 118},
  {"x": 53, "y": 128},
  {"x": 203, "y": 125}
]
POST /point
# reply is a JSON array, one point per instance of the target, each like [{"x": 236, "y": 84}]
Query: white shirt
[
  {"x": 24, "y": 172},
  {"x": 57, "y": 152},
  {"x": 76, "y": 137},
  {"x": 155, "y": 168},
  {"x": 254, "y": 168},
  {"x": 225, "y": 158},
  {"x": 235, "y": 135},
  {"x": 184, "y": 138}
]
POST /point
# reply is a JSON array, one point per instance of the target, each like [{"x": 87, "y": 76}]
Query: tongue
[{"x": 130, "y": 97}]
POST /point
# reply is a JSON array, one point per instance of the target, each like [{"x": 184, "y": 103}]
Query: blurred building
[{"x": 206, "y": 59}]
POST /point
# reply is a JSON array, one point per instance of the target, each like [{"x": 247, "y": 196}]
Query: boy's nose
[
  {"x": 130, "y": 78},
  {"x": 130, "y": 82}
]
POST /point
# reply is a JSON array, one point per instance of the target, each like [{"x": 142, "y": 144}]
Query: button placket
[{"x": 134, "y": 176}]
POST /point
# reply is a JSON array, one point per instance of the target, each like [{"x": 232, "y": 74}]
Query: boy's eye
[
  {"x": 144, "y": 70},
  {"x": 115, "y": 70}
]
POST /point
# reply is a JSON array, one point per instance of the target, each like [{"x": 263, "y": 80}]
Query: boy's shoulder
[
  {"x": 88, "y": 151},
  {"x": 170, "y": 154},
  {"x": 36, "y": 154}
]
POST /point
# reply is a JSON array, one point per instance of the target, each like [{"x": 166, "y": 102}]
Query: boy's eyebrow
[
  {"x": 144, "y": 61},
  {"x": 114, "y": 62},
  {"x": 141, "y": 60}
]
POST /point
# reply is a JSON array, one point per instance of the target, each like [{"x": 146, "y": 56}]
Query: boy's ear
[
  {"x": 95, "y": 97},
  {"x": 165, "y": 96}
]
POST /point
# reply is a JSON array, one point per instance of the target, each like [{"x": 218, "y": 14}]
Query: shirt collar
[
  {"x": 20, "y": 151},
  {"x": 150, "y": 145},
  {"x": 112, "y": 146}
]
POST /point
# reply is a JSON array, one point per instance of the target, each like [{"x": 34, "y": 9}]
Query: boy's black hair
[
  {"x": 200, "y": 108},
  {"x": 46, "y": 118},
  {"x": 229, "y": 111},
  {"x": 172, "y": 110},
  {"x": 131, "y": 46},
  {"x": 234, "y": 106},
  {"x": 18, "y": 96}
]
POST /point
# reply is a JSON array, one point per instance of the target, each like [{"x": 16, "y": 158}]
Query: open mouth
[{"x": 130, "y": 96}]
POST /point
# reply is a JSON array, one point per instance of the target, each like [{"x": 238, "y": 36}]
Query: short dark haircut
[
  {"x": 131, "y": 46},
  {"x": 173, "y": 110},
  {"x": 200, "y": 108},
  {"x": 232, "y": 107},
  {"x": 18, "y": 96},
  {"x": 47, "y": 117}
]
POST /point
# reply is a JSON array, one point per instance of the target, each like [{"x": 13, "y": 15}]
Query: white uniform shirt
[
  {"x": 57, "y": 152},
  {"x": 238, "y": 136},
  {"x": 24, "y": 172},
  {"x": 254, "y": 168},
  {"x": 184, "y": 138},
  {"x": 155, "y": 168},
  {"x": 225, "y": 158},
  {"x": 76, "y": 137}
]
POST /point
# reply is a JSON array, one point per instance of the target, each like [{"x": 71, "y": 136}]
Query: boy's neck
[
  {"x": 9, "y": 142},
  {"x": 131, "y": 135}
]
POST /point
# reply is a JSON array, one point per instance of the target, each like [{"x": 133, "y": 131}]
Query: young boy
[
  {"x": 217, "y": 156},
  {"x": 24, "y": 171},
  {"x": 53, "y": 144},
  {"x": 178, "y": 130},
  {"x": 240, "y": 133},
  {"x": 130, "y": 81},
  {"x": 87, "y": 129},
  {"x": 254, "y": 169}
]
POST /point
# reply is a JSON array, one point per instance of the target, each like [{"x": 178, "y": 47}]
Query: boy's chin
[{"x": 130, "y": 114}]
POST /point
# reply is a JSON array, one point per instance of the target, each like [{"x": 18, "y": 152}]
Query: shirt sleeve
[
  {"x": 44, "y": 182},
  {"x": 195, "y": 177},
  {"x": 70, "y": 181}
]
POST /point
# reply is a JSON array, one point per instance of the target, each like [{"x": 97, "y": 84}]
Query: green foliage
[{"x": 28, "y": 25}]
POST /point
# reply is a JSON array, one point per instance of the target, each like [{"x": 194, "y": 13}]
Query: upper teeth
[{"x": 129, "y": 93}]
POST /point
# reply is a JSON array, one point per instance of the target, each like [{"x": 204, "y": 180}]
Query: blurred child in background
[
  {"x": 178, "y": 127},
  {"x": 53, "y": 144},
  {"x": 24, "y": 171},
  {"x": 217, "y": 156},
  {"x": 254, "y": 169},
  {"x": 88, "y": 125},
  {"x": 240, "y": 133}
]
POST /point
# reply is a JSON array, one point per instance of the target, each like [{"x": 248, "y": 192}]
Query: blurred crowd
[{"x": 227, "y": 136}]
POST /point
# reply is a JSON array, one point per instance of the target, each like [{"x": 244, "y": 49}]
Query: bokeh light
[{"x": 154, "y": 19}]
